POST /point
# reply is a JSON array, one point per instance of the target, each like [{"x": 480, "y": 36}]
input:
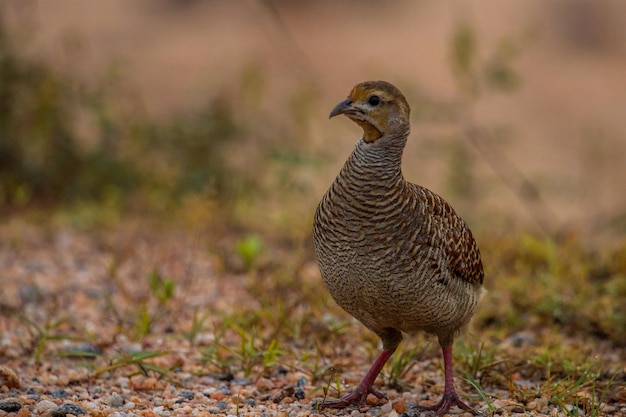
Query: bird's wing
[{"x": 450, "y": 233}]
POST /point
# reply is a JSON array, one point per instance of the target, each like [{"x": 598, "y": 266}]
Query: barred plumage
[{"x": 393, "y": 254}]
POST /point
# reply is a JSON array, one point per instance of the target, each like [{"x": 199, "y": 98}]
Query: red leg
[
  {"x": 450, "y": 397},
  {"x": 358, "y": 396}
]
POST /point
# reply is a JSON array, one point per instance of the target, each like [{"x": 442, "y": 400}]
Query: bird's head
[{"x": 378, "y": 107}]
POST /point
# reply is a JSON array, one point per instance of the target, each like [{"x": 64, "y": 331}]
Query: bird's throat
[{"x": 371, "y": 133}]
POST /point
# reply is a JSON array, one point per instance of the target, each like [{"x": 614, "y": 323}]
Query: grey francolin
[{"x": 393, "y": 254}]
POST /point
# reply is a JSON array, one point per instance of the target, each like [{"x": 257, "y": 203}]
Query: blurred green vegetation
[
  {"x": 88, "y": 153},
  {"x": 555, "y": 283},
  {"x": 41, "y": 159},
  {"x": 48, "y": 158}
]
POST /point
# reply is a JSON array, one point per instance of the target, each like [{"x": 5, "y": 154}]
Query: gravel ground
[{"x": 67, "y": 301}]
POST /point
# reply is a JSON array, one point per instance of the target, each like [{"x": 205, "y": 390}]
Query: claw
[
  {"x": 359, "y": 395},
  {"x": 356, "y": 398},
  {"x": 442, "y": 407}
]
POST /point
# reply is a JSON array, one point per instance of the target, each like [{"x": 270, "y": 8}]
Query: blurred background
[
  {"x": 161, "y": 162},
  {"x": 201, "y": 111}
]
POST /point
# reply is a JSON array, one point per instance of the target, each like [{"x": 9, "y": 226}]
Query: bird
[{"x": 394, "y": 254}]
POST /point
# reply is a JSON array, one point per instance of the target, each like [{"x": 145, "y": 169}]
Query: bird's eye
[{"x": 374, "y": 100}]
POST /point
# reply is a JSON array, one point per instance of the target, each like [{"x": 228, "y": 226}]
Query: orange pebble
[{"x": 399, "y": 406}]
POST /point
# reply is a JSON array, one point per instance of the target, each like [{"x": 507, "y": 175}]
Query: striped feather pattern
[{"x": 394, "y": 254}]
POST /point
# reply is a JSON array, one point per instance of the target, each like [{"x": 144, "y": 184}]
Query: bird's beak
[{"x": 341, "y": 108}]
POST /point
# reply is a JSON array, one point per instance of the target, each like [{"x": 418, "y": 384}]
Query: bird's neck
[{"x": 379, "y": 161}]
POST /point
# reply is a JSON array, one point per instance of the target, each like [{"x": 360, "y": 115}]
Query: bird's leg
[
  {"x": 365, "y": 387},
  {"x": 450, "y": 397}
]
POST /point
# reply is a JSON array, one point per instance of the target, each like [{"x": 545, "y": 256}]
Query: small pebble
[
  {"x": 301, "y": 382},
  {"x": 538, "y": 404},
  {"x": 285, "y": 392},
  {"x": 115, "y": 400},
  {"x": 242, "y": 381},
  {"x": 299, "y": 393},
  {"x": 44, "y": 406},
  {"x": 218, "y": 395},
  {"x": 372, "y": 400},
  {"x": 98, "y": 390},
  {"x": 399, "y": 406},
  {"x": 9, "y": 378},
  {"x": 24, "y": 412},
  {"x": 67, "y": 408},
  {"x": 407, "y": 397},
  {"x": 386, "y": 408},
  {"x": 498, "y": 404},
  {"x": 150, "y": 383},
  {"x": 29, "y": 293},
  {"x": 520, "y": 339},
  {"x": 374, "y": 412},
  {"x": 185, "y": 395},
  {"x": 59, "y": 393},
  {"x": 264, "y": 385},
  {"x": 63, "y": 380},
  {"x": 10, "y": 406}
]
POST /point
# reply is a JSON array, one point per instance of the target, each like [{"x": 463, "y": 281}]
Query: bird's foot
[
  {"x": 356, "y": 397},
  {"x": 442, "y": 407}
]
